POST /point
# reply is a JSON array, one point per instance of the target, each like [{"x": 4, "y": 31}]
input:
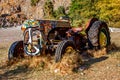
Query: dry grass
[
  {"x": 104, "y": 51},
  {"x": 39, "y": 66},
  {"x": 97, "y": 53},
  {"x": 65, "y": 66},
  {"x": 105, "y": 65},
  {"x": 68, "y": 63}
]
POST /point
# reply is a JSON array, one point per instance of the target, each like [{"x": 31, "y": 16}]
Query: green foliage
[
  {"x": 82, "y": 10},
  {"x": 107, "y": 10},
  {"x": 51, "y": 13},
  {"x": 48, "y": 9},
  {"x": 34, "y": 2},
  {"x": 60, "y": 12}
]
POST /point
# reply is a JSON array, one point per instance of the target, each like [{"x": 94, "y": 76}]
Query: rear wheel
[
  {"x": 63, "y": 47},
  {"x": 16, "y": 50},
  {"x": 98, "y": 35}
]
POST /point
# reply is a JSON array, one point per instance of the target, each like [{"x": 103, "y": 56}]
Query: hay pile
[
  {"x": 97, "y": 53},
  {"x": 65, "y": 66},
  {"x": 68, "y": 63}
]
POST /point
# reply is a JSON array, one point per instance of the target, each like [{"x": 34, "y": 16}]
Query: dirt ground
[{"x": 106, "y": 67}]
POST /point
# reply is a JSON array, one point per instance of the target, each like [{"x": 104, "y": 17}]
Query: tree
[
  {"x": 60, "y": 12},
  {"x": 107, "y": 10},
  {"x": 48, "y": 9}
]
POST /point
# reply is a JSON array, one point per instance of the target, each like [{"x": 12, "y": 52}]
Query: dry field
[{"x": 100, "y": 67}]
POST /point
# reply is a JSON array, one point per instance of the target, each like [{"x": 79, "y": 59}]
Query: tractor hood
[{"x": 29, "y": 24}]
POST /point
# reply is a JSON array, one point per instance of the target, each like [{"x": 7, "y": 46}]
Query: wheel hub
[
  {"x": 103, "y": 39},
  {"x": 68, "y": 49}
]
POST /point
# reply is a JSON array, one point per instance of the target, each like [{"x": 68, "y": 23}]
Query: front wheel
[{"x": 63, "y": 47}]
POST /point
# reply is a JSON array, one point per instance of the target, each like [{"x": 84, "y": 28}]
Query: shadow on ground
[
  {"x": 88, "y": 63},
  {"x": 9, "y": 74},
  {"x": 95, "y": 60},
  {"x": 113, "y": 48}
]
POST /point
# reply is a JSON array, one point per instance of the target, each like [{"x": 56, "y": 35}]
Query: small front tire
[{"x": 65, "y": 46}]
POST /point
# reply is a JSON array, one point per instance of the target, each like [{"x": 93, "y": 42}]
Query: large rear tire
[
  {"x": 65, "y": 46},
  {"x": 99, "y": 35},
  {"x": 16, "y": 50}
]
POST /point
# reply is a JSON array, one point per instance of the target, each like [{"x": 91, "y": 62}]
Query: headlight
[{"x": 23, "y": 28}]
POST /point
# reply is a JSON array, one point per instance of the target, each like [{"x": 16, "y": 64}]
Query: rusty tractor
[{"x": 58, "y": 37}]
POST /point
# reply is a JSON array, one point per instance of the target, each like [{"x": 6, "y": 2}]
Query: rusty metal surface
[{"x": 55, "y": 23}]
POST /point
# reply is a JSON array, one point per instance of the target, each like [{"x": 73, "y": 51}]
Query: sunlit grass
[
  {"x": 65, "y": 66},
  {"x": 34, "y": 67}
]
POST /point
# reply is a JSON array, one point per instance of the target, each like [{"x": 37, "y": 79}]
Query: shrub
[
  {"x": 48, "y": 9},
  {"x": 34, "y": 2},
  {"x": 60, "y": 12}
]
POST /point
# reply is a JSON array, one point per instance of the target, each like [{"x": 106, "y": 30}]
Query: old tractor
[{"x": 58, "y": 37}]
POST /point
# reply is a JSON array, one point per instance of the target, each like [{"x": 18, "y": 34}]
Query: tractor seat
[
  {"x": 78, "y": 29},
  {"x": 74, "y": 31}
]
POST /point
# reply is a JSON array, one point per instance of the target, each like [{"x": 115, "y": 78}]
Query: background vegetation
[
  {"x": 34, "y": 2},
  {"x": 82, "y": 10},
  {"x": 48, "y": 9},
  {"x": 107, "y": 10}
]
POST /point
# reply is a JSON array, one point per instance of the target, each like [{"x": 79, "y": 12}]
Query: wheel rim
[
  {"x": 102, "y": 39},
  {"x": 69, "y": 49}
]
